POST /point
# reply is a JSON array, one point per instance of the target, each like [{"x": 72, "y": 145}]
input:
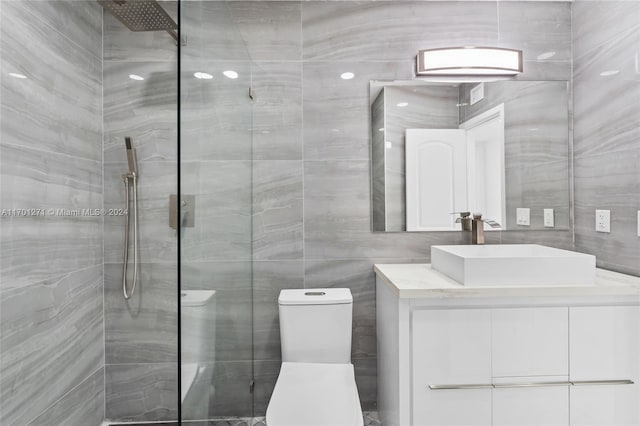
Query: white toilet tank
[{"x": 315, "y": 325}]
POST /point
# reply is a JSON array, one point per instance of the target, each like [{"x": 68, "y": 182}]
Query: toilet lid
[{"x": 313, "y": 394}]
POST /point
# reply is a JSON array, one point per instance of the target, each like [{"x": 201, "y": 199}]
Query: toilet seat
[{"x": 313, "y": 394}]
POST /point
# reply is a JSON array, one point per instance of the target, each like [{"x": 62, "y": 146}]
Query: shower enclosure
[{"x": 97, "y": 95}]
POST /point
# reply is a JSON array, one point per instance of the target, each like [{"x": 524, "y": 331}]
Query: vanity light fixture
[{"x": 469, "y": 61}]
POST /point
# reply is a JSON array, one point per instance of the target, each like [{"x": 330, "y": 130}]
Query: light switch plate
[
  {"x": 603, "y": 220},
  {"x": 523, "y": 216},
  {"x": 548, "y": 218}
]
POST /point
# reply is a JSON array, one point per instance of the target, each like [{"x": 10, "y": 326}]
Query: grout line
[
  {"x": 104, "y": 313},
  {"x": 45, "y": 151},
  {"x": 51, "y": 280}
]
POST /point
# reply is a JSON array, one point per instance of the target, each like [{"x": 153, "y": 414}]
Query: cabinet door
[
  {"x": 451, "y": 347},
  {"x": 530, "y": 342},
  {"x": 539, "y": 406},
  {"x": 604, "y": 345}
]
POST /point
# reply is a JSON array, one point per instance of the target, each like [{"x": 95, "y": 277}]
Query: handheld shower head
[{"x": 131, "y": 156}]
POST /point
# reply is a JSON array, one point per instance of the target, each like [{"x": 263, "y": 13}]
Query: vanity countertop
[{"x": 419, "y": 280}]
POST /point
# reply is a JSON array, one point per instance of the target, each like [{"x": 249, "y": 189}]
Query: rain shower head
[
  {"x": 131, "y": 156},
  {"x": 141, "y": 15}
]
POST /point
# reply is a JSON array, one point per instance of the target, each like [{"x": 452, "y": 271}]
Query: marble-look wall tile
[
  {"x": 336, "y": 111},
  {"x": 82, "y": 406},
  {"x": 141, "y": 334},
  {"x": 232, "y": 398},
  {"x": 596, "y": 23},
  {"x": 542, "y": 30},
  {"x": 243, "y": 30},
  {"x": 269, "y": 277},
  {"x": 78, "y": 20},
  {"x": 217, "y": 113},
  {"x": 605, "y": 115},
  {"x": 393, "y": 31},
  {"x": 33, "y": 178},
  {"x": 366, "y": 372},
  {"x": 141, "y": 392},
  {"x": 39, "y": 248},
  {"x": 145, "y": 110},
  {"x": 607, "y": 130},
  {"x": 265, "y": 374},
  {"x": 609, "y": 181},
  {"x": 222, "y": 229},
  {"x": 142, "y": 329},
  {"x": 57, "y": 108},
  {"x": 233, "y": 322},
  {"x": 277, "y": 210},
  {"x": 277, "y": 110},
  {"x": 52, "y": 339}
]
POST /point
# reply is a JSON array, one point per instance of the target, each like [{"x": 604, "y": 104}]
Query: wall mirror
[{"x": 500, "y": 148}]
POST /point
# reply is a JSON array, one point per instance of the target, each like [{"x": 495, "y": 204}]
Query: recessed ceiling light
[
  {"x": 403, "y": 104},
  {"x": 546, "y": 55},
  {"x": 347, "y": 75},
  {"x": 16, "y": 75},
  {"x": 609, "y": 73},
  {"x": 202, "y": 75},
  {"x": 136, "y": 77},
  {"x": 230, "y": 74},
  {"x": 381, "y": 129}
]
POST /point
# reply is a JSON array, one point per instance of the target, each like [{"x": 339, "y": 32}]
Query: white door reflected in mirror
[{"x": 452, "y": 170}]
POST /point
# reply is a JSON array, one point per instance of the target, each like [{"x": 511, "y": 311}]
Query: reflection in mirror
[{"x": 492, "y": 147}]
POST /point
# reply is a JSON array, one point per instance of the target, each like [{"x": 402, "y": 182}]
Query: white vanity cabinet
[
  {"x": 604, "y": 344},
  {"x": 452, "y": 356}
]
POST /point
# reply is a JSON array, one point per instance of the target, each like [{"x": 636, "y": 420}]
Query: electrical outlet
[
  {"x": 603, "y": 220},
  {"x": 548, "y": 218},
  {"x": 523, "y": 216}
]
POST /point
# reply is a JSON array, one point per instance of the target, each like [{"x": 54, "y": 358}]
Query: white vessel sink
[{"x": 513, "y": 265}]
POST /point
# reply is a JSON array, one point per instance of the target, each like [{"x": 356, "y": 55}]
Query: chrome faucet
[{"x": 477, "y": 228}]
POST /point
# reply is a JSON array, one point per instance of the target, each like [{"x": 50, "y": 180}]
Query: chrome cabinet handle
[
  {"x": 601, "y": 382},
  {"x": 531, "y": 384}
]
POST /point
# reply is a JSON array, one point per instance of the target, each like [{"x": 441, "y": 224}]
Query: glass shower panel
[{"x": 216, "y": 230}]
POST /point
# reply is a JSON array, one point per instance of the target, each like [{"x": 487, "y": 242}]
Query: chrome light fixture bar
[{"x": 469, "y": 61}]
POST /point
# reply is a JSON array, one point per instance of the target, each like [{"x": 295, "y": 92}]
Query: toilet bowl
[
  {"x": 313, "y": 394},
  {"x": 316, "y": 385}
]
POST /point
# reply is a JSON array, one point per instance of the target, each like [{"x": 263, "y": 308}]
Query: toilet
[
  {"x": 316, "y": 385},
  {"x": 198, "y": 333}
]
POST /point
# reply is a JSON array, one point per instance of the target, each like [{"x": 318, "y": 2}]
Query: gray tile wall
[
  {"x": 537, "y": 148},
  {"x": 51, "y": 293},
  {"x": 141, "y": 347},
  {"x": 607, "y": 130},
  {"x": 312, "y": 168}
]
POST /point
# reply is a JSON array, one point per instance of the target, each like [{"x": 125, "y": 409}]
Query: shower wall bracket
[{"x": 187, "y": 211}]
